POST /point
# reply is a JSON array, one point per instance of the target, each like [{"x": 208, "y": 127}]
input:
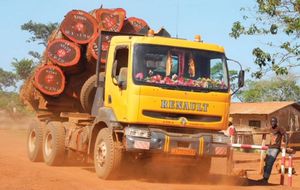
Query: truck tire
[
  {"x": 107, "y": 155},
  {"x": 35, "y": 142},
  {"x": 204, "y": 165},
  {"x": 54, "y": 144},
  {"x": 88, "y": 92}
]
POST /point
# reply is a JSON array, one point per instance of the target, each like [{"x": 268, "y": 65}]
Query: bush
[{"x": 10, "y": 102}]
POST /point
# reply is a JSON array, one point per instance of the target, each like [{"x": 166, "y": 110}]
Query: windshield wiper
[
  {"x": 204, "y": 90},
  {"x": 188, "y": 88},
  {"x": 167, "y": 86}
]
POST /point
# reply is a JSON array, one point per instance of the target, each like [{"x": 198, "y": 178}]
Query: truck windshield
[{"x": 180, "y": 68}]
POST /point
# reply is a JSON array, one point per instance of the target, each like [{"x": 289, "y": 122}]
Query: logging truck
[{"x": 155, "y": 96}]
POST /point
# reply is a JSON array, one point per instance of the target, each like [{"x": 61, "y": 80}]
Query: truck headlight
[
  {"x": 137, "y": 132},
  {"x": 220, "y": 138}
]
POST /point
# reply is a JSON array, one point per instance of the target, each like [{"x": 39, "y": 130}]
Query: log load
[{"x": 69, "y": 59}]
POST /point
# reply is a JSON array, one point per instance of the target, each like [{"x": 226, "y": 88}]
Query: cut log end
[
  {"x": 135, "y": 25},
  {"x": 50, "y": 80},
  {"x": 111, "y": 19},
  {"x": 79, "y": 26},
  {"x": 63, "y": 53},
  {"x": 92, "y": 51}
]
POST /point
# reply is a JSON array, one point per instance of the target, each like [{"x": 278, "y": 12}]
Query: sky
[{"x": 212, "y": 19}]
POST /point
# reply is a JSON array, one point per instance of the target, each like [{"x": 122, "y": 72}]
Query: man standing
[
  {"x": 231, "y": 132},
  {"x": 278, "y": 134}
]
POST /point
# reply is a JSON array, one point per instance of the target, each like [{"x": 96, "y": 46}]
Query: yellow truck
[{"x": 158, "y": 97}]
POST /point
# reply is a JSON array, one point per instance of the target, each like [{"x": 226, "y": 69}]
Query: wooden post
[
  {"x": 262, "y": 154},
  {"x": 229, "y": 161}
]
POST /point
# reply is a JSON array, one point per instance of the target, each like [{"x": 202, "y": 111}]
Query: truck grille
[
  {"x": 183, "y": 130},
  {"x": 177, "y": 116}
]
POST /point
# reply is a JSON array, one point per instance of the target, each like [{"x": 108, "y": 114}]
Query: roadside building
[
  {"x": 251, "y": 117},
  {"x": 258, "y": 115}
]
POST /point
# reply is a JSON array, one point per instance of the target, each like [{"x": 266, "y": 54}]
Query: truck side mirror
[
  {"x": 114, "y": 69},
  {"x": 114, "y": 72},
  {"x": 241, "y": 79},
  {"x": 122, "y": 78}
]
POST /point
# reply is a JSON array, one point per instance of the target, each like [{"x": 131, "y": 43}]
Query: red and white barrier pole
[
  {"x": 282, "y": 166},
  {"x": 249, "y": 146},
  {"x": 290, "y": 170}
]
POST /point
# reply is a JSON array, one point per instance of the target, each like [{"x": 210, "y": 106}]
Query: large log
[
  {"x": 135, "y": 26},
  {"x": 56, "y": 34},
  {"x": 50, "y": 80},
  {"x": 92, "y": 49},
  {"x": 75, "y": 83},
  {"x": 110, "y": 19},
  {"x": 63, "y": 53},
  {"x": 79, "y": 26}
]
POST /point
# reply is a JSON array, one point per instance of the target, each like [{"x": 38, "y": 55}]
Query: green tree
[
  {"x": 40, "y": 33},
  {"x": 7, "y": 79},
  {"x": 217, "y": 71},
  {"x": 273, "y": 18},
  {"x": 23, "y": 67},
  {"x": 275, "y": 89}
]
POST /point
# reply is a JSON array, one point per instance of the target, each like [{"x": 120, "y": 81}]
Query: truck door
[{"x": 117, "y": 93}]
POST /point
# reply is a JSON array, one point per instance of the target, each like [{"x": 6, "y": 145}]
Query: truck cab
[{"x": 161, "y": 97}]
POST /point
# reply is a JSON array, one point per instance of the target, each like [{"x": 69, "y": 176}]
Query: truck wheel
[
  {"x": 107, "y": 155},
  {"x": 204, "y": 165},
  {"x": 35, "y": 142},
  {"x": 54, "y": 144},
  {"x": 88, "y": 92}
]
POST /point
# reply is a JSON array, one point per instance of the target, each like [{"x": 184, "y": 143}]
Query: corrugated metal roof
[{"x": 257, "y": 108}]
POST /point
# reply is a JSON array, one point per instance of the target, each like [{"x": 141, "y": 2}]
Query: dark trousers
[{"x": 270, "y": 159}]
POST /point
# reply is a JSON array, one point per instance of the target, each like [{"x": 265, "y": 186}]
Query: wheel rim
[
  {"x": 32, "y": 141},
  {"x": 101, "y": 151},
  {"x": 48, "y": 144}
]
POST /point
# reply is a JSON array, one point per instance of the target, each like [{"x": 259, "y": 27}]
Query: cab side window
[{"x": 120, "y": 61}]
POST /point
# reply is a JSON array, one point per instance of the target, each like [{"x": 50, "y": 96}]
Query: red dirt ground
[{"x": 17, "y": 172}]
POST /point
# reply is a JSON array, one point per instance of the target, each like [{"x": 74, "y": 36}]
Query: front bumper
[{"x": 197, "y": 145}]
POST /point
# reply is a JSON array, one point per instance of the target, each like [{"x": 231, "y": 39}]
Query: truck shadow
[
  {"x": 175, "y": 176},
  {"x": 182, "y": 176}
]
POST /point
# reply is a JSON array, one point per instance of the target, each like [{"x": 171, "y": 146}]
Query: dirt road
[{"x": 17, "y": 172}]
